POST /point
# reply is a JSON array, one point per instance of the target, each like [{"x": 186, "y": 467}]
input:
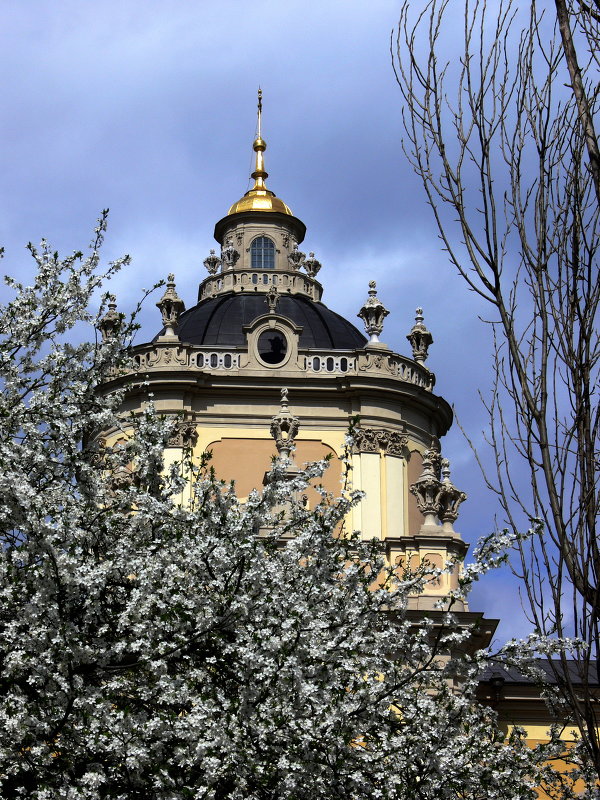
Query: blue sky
[{"x": 148, "y": 108}]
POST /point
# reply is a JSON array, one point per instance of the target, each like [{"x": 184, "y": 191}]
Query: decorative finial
[
  {"x": 311, "y": 265},
  {"x": 229, "y": 255},
  {"x": 259, "y": 109},
  {"x": 420, "y": 338},
  {"x": 272, "y": 298},
  {"x": 427, "y": 489},
  {"x": 284, "y": 399},
  {"x": 212, "y": 263},
  {"x": 445, "y": 470},
  {"x": 110, "y": 323},
  {"x": 170, "y": 306},
  {"x": 296, "y": 258},
  {"x": 450, "y": 499},
  {"x": 373, "y": 313},
  {"x": 284, "y": 428},
  {"x": 259, "y": 146}
]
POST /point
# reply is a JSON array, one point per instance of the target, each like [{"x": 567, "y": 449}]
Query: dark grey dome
[{"x": 220, "y": 321}]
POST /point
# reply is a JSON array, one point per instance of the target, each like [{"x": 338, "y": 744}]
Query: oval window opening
[{"x": 272, "y": 346}]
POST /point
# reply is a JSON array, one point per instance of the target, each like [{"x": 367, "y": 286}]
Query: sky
[{"x": 148, "y": 107}]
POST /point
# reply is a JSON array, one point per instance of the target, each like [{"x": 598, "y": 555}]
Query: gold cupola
[{"x": 259, "y": 198}]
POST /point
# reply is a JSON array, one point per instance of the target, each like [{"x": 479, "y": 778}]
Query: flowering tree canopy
[{"x": 154, "y": 649}]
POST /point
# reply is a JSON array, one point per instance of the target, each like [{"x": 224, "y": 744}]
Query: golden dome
[{"x": 259, "y": 198}]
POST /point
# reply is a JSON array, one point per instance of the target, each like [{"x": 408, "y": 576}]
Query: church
[
  {"x": 259, "y": 326},
  {"x": 261, "y": 365}
]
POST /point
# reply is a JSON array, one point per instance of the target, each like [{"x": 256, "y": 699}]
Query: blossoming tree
[{"x": 150, "y": 649}]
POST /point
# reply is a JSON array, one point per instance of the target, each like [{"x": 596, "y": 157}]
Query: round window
[{"x": 272, "y": 346}]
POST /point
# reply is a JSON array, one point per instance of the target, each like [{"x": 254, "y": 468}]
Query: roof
[
  {"x": 512, "y": 675},
  {"x": 220, "y": 321}
]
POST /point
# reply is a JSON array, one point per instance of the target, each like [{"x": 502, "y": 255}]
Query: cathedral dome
[{"x": 221, "y": 320}]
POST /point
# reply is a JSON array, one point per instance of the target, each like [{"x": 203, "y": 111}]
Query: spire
[
  {"x": 259, "y": 146},
  {"x": 259, "y": 198},
  {"x": 259, "y": 109}
]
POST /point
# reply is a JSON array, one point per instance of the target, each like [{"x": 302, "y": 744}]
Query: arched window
[{"x": 262, "y": 253}]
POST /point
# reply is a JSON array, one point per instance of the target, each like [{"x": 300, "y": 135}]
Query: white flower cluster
[{"x": 150, "y": 650}]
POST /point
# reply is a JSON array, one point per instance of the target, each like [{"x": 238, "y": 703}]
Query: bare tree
[{"x": 503, "y": 136}]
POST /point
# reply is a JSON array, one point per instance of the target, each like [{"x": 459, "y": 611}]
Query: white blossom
[{"x": 155, "y": 650}]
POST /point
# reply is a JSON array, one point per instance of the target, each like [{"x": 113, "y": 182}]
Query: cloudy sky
[{"x": 148, "y": 107}]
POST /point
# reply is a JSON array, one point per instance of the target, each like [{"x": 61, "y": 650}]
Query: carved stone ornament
[
  {"x": 373, "y": 313},
  {"x": 185, "y": 435},
  {"x": 366, "y": 440},
  {"x": 121, "y": 478},
  {"x": 111, "y": 321},
  {"x": 212, "y": 263},
  {"x": 296, "y": 258},
  {"x": 272, "y": 298},
  {"x": 451, "y": 498},
  {"x": 229, "y": 255},
  {"x": 427, "y": 489},
  {"x": 420, "y": 338},
  {"x": 312, "y": 266},
  {"x": 396, "y": 443},
  {"x": 370, "y": 440},
  {"x": 284, "y": 428},
  {"x": 170, "y": 306}
]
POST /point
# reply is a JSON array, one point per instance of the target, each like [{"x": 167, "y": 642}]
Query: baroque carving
[
  {"x": 185, "y": 435},
  {"x": 284, "y": 428},
  {"x": 272, "y": 298},
  {"x": 437, "y": 497},
  {"x": 451, "y": 498},
  {"x": 312, "y": 266},
  {"x": 229, "y": 255},
  {"x": 427, "y": 489},
  {"x": 372, "y": 313},
  {"x": 396, "y": 443},
  {"x": 170, "y": 306},
  {"x": 212, "y": 263},
  {"x": 165, "y": 355},
  {"x": 296, "y": 258},
  {"x": 372, "y": 440},
  {"x": 111, "y": 321},
  {"x": 420, "y": 338}
]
